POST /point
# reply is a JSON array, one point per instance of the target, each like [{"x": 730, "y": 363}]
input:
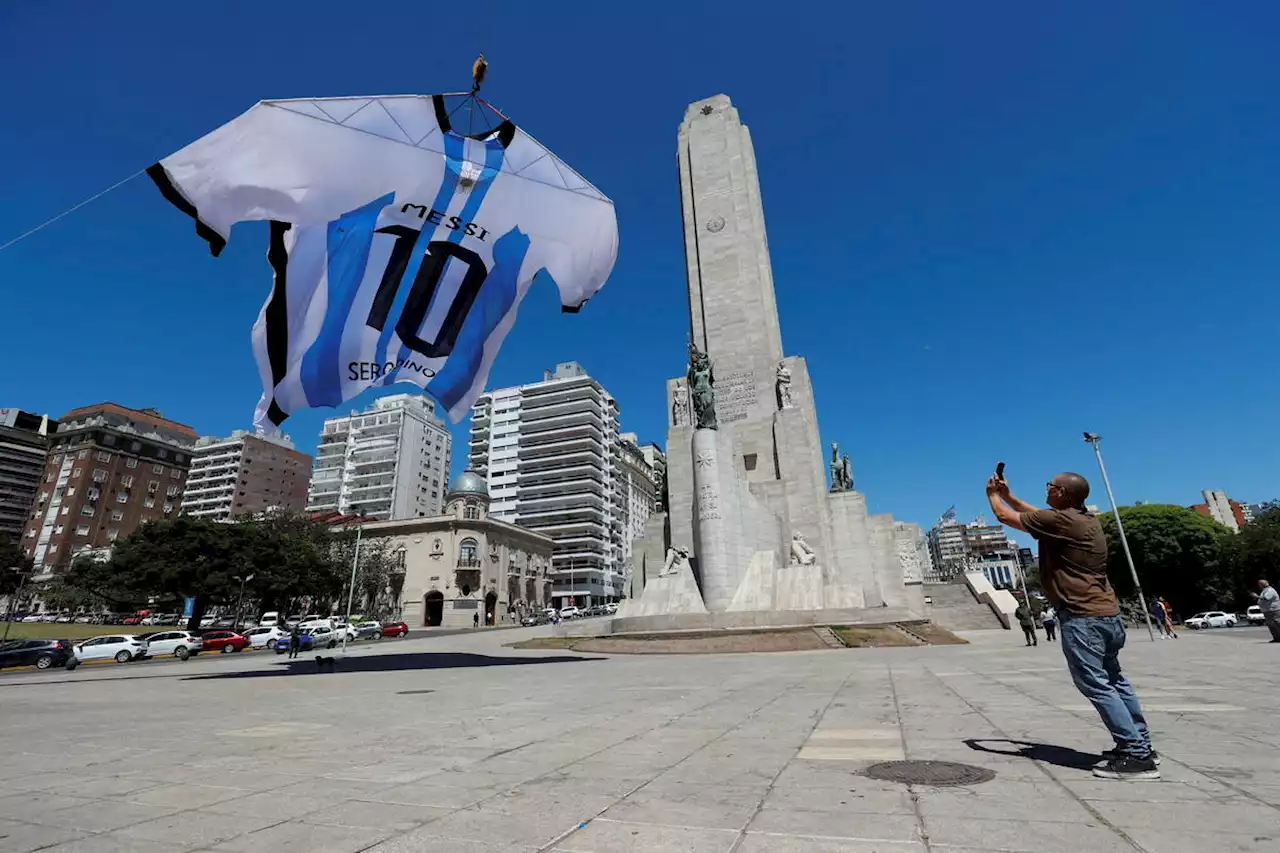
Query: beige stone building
[{"x": 464, "y": 563}]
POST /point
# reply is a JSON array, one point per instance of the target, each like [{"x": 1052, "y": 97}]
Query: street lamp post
[
  {"x": 351, "y": 589},
  {"x": 240, "y": 604},
  {"x": 1094, "y": 439}
]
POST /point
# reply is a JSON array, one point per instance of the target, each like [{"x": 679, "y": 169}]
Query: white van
[{"x": 271, "y": 617}]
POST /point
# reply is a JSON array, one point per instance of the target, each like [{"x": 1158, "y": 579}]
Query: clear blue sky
[{"x": 993, "y": 224}]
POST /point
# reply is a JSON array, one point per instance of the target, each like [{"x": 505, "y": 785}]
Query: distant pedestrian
[
  {"x": 1073, "y": 569},
  {"x": 475, "y": 620},
  {"x": 1166, "y": 618},
  {"x": 1050, "y": 619},
  {"x": 1269, "y": 604},
  {"x": 1158, "y": 617},
  {"x": 295, "y": 639},
  {"x": 1028, "y": 623}
]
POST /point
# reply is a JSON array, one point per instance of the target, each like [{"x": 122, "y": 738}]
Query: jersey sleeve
[
  {"x": 1044, "y": 523},
  {"x": 285, "y": 161}
]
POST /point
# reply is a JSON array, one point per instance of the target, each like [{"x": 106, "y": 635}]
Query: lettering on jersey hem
[
  {"x": 365, "y": 370},
  {"x": 174, "y": 196}
]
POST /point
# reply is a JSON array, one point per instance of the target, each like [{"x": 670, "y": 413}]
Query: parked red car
[
  {"x": 224, "y": 641},
  {"x": 131, "y": 620},
  {"x": 394, "y": 629}
]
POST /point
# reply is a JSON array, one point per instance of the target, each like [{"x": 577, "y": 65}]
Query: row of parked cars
[
  {"x": 1223, "y": 619},
  {"x": 550, "y": 614},
  {"x": 320, "y": 634}
]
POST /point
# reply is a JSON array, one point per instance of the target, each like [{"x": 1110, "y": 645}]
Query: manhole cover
[
  {"x": 412, "y": 692},
  {"x": 941, "y": 773}
]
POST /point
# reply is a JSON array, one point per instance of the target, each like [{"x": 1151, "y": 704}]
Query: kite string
[{"x": 70, "y": 210}]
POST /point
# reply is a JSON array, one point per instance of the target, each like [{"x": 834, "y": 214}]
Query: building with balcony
[
  {"x": 24, "y": 445},
  {"x": 550, "y": 452},
  {"x": 390, "y": 461},
  {"x": 642, "y": 471},
  {"x": 245, "y": 474},
  {"x": 110, "y": 468},
  {"x": 956, "y": 547},
  {"x": 464, "y": 567}
]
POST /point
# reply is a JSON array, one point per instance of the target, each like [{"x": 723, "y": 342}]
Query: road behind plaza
[{"x": 456, "y": 743}]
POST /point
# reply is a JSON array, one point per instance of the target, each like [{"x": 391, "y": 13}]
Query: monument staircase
[{"x": 956, "y": 608}]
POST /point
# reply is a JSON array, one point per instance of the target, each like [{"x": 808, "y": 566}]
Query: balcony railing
[{"x": 470, "y": 562}]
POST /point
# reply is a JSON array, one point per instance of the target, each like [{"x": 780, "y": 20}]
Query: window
[
  {"x": 158, "y": 469},
  {"x": 122, "y": 497},
  {"x": 109, "y": 440},
  {"x": 58, "y": 529},
  {"x": 127, "y": 482},
  {"x": 71, "y": 490},
  {"x": 49, "y": 477},
  {"x": 152, "y": 486},
  {"x": 161, "y": 453},
  {"x": 135, "y": 446},
  {"x": 471, "y": 511},
  {"x": 53, "y": 549},
  {"x": 83, "y": 454},
  {"x": 44, "y": 496},
  {"x": 149, "y": 502},
  {"x": 82, "y": 530},
  {"x": 174, "y": 473},
  {"x": 75, "y": 472},
  {"x": 132, "y": 463},
  {"x": 168, "y": 507},
  {"x": 99, "y": 475},
  {"x": 31, "y": 534},
  {"x": 112, "y": 534},
  {"x": 104, "y": 456},
  {"x": 117, "y": 515},
  {"x": 173, "y": 490},
  {"x": 468, "y": 553},
  {"x": 84, "y": 510}
]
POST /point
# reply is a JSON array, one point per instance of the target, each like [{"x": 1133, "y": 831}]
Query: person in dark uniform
[{"x": 295, "y": 640}]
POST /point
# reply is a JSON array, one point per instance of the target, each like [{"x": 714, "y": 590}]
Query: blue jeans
[{"x": 1092, "y": 646}]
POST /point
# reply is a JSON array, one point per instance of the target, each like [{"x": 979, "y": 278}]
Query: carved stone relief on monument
[
  {"x": 801, "y": 553},
  {"x": 909, "y": 560},
  {"x": 680, "y": 404},
  {"x": 708, "y": 503},
  {"x": 784, "y": 386}
]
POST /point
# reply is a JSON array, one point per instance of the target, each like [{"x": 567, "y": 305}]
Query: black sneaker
[
  {"x": 1128, "y": 769},
  {"x": 1111, "y": 754}
]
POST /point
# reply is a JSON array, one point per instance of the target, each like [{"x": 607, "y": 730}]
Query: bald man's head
[{"x": 1068, "y": 491}]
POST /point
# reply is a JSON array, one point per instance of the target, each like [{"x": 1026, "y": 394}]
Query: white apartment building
[
  {"x": 550, "y": 452},
  {"x": 390, "y": 461},
  {"x": 641, "y": 468},
  {"x": 245, "y": 474},
  {"x": 1220, "y": 509}
]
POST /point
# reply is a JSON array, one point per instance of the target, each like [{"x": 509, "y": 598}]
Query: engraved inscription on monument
[
  {"x": 735, "y": 395},
  {"x": 708, "y": 503}
]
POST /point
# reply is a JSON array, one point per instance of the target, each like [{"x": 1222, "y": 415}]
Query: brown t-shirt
[{"x": 1073, "y": 561}]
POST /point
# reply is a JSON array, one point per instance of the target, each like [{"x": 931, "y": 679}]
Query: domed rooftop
[{"x": 469, "y": 483}]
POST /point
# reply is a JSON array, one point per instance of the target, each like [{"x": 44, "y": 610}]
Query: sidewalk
[{"x": 458, "y": 744}]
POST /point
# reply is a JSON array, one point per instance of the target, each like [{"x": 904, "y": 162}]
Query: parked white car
[
  {"x": 323, "y": 636},
  {"x": 34, "y": 617},
  {"x": 265, "y": 637},
  {"x": 316, "y": 622},
  {"x": 122, "y": 647},
  {"x": 1212, "y": 619},
  {"x": 1254, "y": 615},
  {"x": 569, "y": 612},
  {"x": 180, "y": 644},
  {"x": 350, "y": 630}
]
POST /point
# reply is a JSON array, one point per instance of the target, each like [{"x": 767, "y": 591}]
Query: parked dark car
[
  {"x": 305, "y": 643},
  {"x": 42, "y": 654}
]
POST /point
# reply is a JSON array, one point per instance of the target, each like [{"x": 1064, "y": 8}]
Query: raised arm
[{"x": 1003, "y": 504}]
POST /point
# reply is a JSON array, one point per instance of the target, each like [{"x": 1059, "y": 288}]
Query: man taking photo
[{"x": 1073, "y": 570}]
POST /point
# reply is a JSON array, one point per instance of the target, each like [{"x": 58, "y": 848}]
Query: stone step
[{"x": 915, "y": 639}]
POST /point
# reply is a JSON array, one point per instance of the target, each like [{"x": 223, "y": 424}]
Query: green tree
[
  {"x": 291, "y": 558},
  {"x": 13, "y": 564},
  {"x": 1178, "y": 554},
  {"x": 1254, "y": 554}
]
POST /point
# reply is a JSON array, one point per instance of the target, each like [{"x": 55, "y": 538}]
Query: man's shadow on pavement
[
  {"x": 325, "y": 661},
  {"x": 1062, "y": 756}
]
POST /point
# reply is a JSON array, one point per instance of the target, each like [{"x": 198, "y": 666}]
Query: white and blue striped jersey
[{"x": 401, "y": 248}]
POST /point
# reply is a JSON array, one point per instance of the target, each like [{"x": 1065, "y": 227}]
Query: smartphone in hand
[{"x": 1000, "y": 471}]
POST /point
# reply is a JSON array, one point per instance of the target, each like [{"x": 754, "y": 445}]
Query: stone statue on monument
[
  {"x": 680, "y": 404},
  {"x": 677, "y": 558},
  {"x": 702, "y": 380},
  {"x": 841, "y": 471},
  {"x": 801, "y": 553},
  {"x": 784, "y": 386}
]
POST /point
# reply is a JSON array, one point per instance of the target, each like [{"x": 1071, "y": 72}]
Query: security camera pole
[{"x": 1093, "y": 438}]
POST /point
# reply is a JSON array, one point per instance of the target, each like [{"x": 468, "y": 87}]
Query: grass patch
[
  {"x": 54, "y": 631},
  {"x": 545, "y": 643},
  {"x": 935, "y": 635},
  {"x": 870, "y": 638}
]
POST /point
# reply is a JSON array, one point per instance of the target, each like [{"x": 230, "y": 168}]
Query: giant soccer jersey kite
[{"x": 401, "y": 248}]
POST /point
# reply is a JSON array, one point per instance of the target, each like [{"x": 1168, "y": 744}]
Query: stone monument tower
[{"x": 752, "y": 533}]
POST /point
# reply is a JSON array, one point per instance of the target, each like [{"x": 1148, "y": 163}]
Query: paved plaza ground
[{"x": 458, "y": 744}]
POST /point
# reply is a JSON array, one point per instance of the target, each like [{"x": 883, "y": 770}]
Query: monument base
[
  {"x": 675, "y": 593},
  {"x": 799, "y": 587},
  {"x": 731, "y": 620}
]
